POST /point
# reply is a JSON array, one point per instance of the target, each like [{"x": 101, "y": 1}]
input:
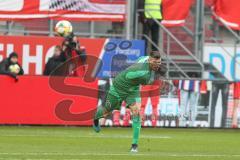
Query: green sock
[
  {"x": 99, "y": 113},
  {"x": 136, "y": 125}
]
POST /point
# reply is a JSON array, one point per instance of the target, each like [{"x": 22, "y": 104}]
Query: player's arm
[
  {"x": 166, "y": 86},
  {"x": 135, "y": 75}
]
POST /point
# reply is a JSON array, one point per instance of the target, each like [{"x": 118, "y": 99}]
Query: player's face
[{"x": 155, "y": 63}]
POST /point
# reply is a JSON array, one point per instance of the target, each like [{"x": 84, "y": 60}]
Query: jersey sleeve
[{"x": 135, "y": 75}]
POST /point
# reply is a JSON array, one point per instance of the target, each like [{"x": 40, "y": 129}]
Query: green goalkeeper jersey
[{"x": 129, "y": 81}]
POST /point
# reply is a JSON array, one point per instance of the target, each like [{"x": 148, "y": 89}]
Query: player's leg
[
  {"x": 155, "y": 96},
  {"x": 236, "y": 105},
  {"x": 136, "y": 125},
  {"x": 193, "y": 102},
  {"x": 225, "y": 93},
  {"x": 155, "y": 114},
  {"x": 112, "y": 102},
  {"x": 214, "y": 97},
  {"x": 134, "y": 103},
  {"x": 235, "y": 113},
  {"x": 144, "y": 98},
  {"x": 101, "y": 113},
  {"x": 183, "y": 107}
]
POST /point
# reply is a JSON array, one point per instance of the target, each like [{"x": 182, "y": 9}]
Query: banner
[
  {"x": 175, "y": 11},
  {"x": 228, "y": 11},
  {"x": 34, "y": 51},
  {"x": 84, "y": 10},
  {"x": 45, "y": 101},
  {"x": 224, "y": 59},
  {"x": 119, "y": 54},
  {"x": 38, "y": 100}
]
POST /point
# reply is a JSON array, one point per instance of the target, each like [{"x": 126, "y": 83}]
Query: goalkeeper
[{"x": 126, "y": 88}]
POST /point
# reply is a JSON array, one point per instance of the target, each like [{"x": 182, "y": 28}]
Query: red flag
[
  {"x": 175, "y": 11},
  {"x": 80, "y": 10},
  {"x": 228, "y": 12}
]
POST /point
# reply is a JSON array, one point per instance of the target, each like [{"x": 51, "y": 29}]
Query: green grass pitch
[{"x": 75, "y": 143}]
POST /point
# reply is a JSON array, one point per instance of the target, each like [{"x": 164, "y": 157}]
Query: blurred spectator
[
  {"x": 152, "y": 12},
  {"x": 11, "y": 67},
  {"x": 117, "y": 29},
  {"x": 189, "y": 95},
  {"x": 236, "y": 104},
  {"x": 55, "y": 63},
  {"x": 152, "y": 92},
  {"x": 75, "y": 55},
  {"x": 222, "y": 86}
]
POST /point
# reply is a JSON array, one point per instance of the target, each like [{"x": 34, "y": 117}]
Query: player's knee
[
  {"x": 135, "y": 109},
  {"x": 106, "y": 113}
]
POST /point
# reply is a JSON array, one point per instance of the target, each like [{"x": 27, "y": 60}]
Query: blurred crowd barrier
[{"x": 213, "y": 104}]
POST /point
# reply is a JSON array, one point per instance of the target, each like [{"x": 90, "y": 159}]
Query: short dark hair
[{"x": 155, "y": 54}]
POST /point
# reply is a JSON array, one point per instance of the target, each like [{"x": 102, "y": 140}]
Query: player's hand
[{"x": 166, "y": 87}]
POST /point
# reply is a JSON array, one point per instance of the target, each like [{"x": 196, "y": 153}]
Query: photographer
[{"x": 75, "y": 56}]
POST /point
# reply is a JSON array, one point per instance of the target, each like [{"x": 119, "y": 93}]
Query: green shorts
[{"x": 114, "y": 100}]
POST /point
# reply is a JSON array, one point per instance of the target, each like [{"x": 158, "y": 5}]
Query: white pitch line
[
  {"x": 41, "y": 159},
  {"x": 90, "y": 136},
  {"x": 120, "y": 154}
]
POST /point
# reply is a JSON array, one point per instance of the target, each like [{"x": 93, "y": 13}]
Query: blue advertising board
[{"x": 118, "y": 54}]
